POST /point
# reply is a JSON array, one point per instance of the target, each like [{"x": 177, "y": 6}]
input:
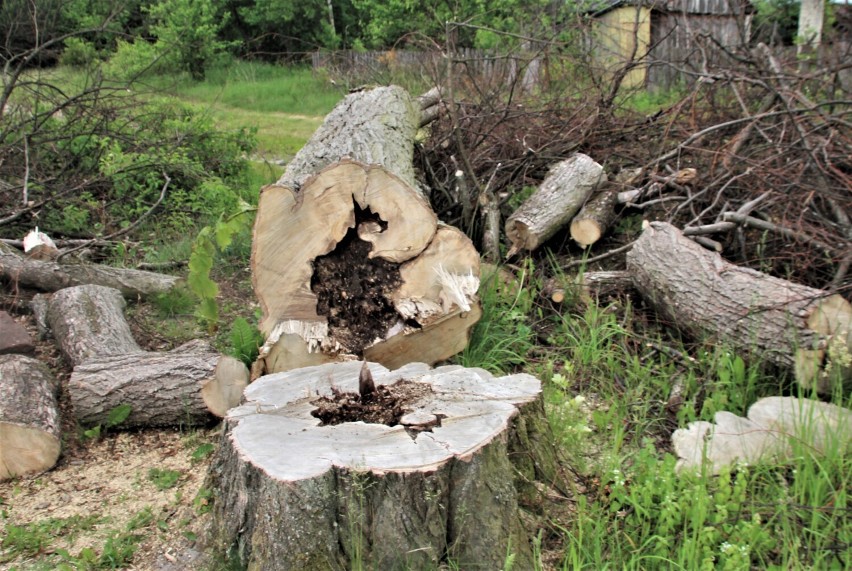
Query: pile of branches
[{"x": 768, "y": 136}]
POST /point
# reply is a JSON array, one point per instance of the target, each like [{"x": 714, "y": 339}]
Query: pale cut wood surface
[
  {"x": 29, "y": 417},
  {"x": 296, "y": 495}
]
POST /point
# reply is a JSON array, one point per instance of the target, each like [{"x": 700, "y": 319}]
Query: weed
[
  {"x": 115, "y": 417},
  {"x": 164, "y": 479}
]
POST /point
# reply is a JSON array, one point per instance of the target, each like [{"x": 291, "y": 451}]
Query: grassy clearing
[
  {"x": 606, "y": 386},
  {"x": 284, "y": 104}
]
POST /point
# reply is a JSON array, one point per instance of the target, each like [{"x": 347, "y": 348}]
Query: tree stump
[
  {"x": 184, "y": 386},
  {"x": 355, "y": 263},
  {"x": 804, "y": 330},
  {"x": 29, "y": 417},
  {"x": 434, "y": 484},
  {"x": 564, "y": 191}
]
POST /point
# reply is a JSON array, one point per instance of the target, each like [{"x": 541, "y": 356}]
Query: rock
[{"x": 13, "y": 337}]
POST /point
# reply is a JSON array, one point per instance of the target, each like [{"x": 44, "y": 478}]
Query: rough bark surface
[
  {"x": 564, "y": 191},
  {"x": 52, "y": 276},
  {"x": 779, "y": 322},
  {"x": 184, "y": 386},
  {"x": 596, "y": 216},
  {"x": 358, "y": 249},
  {"x": 29, "y": 417},
  {"x": 297, "y": 495},
  {"x": 375, "y": 126},
  {"x": 87, "y": 321},
  {"x": 162, "y": 389}
]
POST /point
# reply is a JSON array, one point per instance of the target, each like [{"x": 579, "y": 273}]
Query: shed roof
[{"x": 716, "y": 7}]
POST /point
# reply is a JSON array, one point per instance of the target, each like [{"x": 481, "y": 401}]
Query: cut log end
[
  {"x": 225, "y": 389},
  {"x": 26, "y": 450}
]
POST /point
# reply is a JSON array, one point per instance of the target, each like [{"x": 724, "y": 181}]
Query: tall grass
[{"x": 606, "y": 389}]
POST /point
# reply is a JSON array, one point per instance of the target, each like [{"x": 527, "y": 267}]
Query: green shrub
[{"x": 78, "y": 52}]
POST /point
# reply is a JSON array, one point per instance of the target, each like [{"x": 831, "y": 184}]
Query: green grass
[
  {"x": 606, "y": 387},
  {"x": 284, "y": 104}
]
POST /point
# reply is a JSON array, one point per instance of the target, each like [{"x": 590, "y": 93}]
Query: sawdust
[{"x": 110, "y": 479}]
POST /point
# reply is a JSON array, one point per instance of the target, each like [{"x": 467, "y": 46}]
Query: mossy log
[
  {"x": 29, "y": 417},
  {"x": 804, "y": 330},
  {"x": 438, "y": 486}
]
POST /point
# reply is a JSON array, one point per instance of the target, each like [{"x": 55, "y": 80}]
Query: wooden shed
[{"x": 668, "y": 38}]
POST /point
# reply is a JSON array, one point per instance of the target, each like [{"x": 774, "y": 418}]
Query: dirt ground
[{"x": 110, "y": 479}]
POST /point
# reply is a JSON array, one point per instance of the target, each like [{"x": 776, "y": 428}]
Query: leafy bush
[{"x": 78, "y": 52}]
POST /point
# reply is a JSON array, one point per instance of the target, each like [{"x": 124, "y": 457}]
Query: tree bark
[
  {"x": 564, "y": 191},
  {"x": 791, "y": 326},
  {"x": 29, "y": 417},
  {"x": 398, "y": 273},
  {"x": 294, "y": 494},
  {"x": 375, "y": 126},
  {"x": 52, "y": 276},
  {"x": 87, "y": 321},
  {"x": 183, "y": 387},
  {"x": 595, "y": 217}
]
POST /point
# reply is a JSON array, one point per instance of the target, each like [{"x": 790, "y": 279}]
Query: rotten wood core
[{"x": 354, "y": 290}]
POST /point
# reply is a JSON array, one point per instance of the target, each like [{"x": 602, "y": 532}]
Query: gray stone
[{"x": 13, "y": 337}]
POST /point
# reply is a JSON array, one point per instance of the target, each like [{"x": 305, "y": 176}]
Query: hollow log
[
  {"x": 29, "y": 417},
  {"x": 433, "y": 485},
  {"x": 596, "y": 216},
  {"x": 52, "y": 276},
  {"x": 565, "y": 189},
  {"x": 804, "y": 330},
  {"x": 184, "y": 386},
  {"x": 352, "y": 261}
]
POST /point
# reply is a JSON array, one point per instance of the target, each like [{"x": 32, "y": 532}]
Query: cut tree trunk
[
  {"x": 184, "y": 386},
  {"x": 587, "y": 286},
  {"x": 52, "y": 276},
  {"x": 353, "y": 263},
  {"x": 29, "y": 417},
  {"x": 804, "y": 330},
  {"x": 568, "y": 186},
  {"x": 435, "y": 483},
  {"x": 88, "y": 322},
  {"x": 596, "y": 216},
  {"x": 376, "y": 126}
]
